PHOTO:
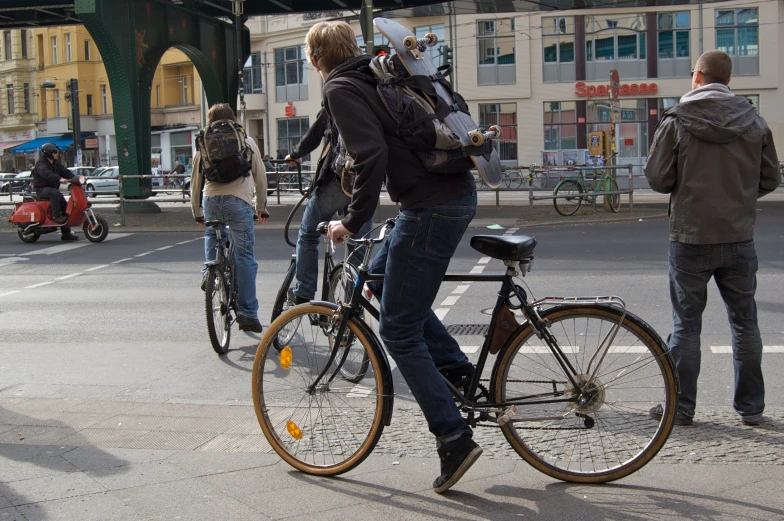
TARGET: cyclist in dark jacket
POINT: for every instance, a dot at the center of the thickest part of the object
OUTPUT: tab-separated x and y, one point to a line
48	173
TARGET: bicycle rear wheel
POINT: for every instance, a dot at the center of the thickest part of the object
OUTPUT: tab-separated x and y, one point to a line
604	432
340	287
612	202
333	428
282	302
539	180
569	205
218	310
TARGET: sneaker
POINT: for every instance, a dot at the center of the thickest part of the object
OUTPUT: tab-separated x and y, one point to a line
751	419
456	458
204	281
249	324
680	419
459	376
62	219
296	299
69	237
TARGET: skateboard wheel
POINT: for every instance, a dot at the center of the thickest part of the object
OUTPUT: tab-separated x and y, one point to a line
496	130
476	137
431	39
409	42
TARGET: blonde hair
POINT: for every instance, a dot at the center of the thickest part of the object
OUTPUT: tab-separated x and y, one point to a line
331	44
220	111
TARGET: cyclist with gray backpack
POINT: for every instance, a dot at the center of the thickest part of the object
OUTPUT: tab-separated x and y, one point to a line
227	170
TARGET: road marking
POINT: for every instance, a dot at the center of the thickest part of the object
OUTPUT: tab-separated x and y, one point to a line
441	313
9	293
163	248
546	350
727	350
359	391
628	349
450	300
143	254
477	269
122	260
11	260
469	349
67	247
96	268
184	242
511	231
72	275
484	260
39	285
461	289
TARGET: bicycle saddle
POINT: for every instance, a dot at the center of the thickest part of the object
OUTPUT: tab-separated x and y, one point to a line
213	224
513	247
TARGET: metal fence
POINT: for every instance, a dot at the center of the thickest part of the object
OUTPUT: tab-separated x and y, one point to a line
558	174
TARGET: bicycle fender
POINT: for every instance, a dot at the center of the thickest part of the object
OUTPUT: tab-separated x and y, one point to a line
388	392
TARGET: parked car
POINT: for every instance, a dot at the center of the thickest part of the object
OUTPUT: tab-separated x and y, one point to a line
101	186
77	171
19	182
5	179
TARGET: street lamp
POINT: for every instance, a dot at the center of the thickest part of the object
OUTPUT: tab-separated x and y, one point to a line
72	95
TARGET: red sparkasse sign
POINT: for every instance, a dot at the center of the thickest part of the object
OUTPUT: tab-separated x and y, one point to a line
583	90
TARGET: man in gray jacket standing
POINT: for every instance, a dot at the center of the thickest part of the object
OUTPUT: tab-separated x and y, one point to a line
714	154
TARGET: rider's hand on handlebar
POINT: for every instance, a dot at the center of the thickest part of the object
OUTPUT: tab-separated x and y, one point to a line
292	162
337	232
64	180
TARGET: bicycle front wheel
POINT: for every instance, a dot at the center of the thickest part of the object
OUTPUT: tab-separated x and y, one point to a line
612	202
218	310
341	284
567	206
332	428
596	427
282	302
539	180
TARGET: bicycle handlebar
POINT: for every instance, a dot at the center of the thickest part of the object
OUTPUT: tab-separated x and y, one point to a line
323	228
299	173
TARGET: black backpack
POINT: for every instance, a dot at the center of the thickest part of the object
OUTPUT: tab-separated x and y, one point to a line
224	153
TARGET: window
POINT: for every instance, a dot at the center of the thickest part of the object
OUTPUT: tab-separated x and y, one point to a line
505	116
666	103
104	100
9	89
496	50
436	52
737	32
184	81
673	34
24	44
8	46
290	131
616	39
89	104
753	98
158	96
68	47
378	40
26	95
54	50
57	103
631	134
291	74
251	74
560	125
558	49
87	50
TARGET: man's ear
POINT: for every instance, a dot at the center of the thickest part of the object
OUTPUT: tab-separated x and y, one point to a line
315	63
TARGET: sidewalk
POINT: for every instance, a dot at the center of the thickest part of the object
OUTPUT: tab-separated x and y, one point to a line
71	459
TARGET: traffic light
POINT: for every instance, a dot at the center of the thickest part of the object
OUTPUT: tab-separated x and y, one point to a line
381	50
448	54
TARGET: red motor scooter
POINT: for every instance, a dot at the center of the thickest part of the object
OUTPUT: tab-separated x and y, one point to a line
33	215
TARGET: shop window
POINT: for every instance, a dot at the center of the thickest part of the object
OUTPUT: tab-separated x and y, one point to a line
496	52
666	103
505	116
291	74
290	131
737	34
631	134
560	125
436	52
615	43
252	74
558	49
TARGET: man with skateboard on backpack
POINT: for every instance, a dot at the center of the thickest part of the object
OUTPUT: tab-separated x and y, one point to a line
435	211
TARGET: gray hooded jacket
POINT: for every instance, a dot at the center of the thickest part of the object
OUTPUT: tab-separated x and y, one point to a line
715	155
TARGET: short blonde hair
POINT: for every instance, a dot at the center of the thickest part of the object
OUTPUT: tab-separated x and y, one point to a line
331	44
219	112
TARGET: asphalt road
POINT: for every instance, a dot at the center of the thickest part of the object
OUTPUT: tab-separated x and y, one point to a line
125	319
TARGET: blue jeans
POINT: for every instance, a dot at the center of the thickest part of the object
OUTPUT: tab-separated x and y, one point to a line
238	215
734	268
326	201
414	259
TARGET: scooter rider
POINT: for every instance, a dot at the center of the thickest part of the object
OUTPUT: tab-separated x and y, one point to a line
49	172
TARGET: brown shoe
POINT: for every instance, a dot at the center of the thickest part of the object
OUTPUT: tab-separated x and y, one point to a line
61	219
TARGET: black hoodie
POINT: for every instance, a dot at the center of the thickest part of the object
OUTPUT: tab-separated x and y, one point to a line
364	123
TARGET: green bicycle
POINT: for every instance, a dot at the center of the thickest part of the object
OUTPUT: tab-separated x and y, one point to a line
574	187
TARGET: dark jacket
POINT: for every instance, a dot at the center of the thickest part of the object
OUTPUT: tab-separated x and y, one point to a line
362	120
715	155
320	129
49	174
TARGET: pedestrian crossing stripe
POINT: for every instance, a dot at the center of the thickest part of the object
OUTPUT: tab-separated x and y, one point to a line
527	349
728	349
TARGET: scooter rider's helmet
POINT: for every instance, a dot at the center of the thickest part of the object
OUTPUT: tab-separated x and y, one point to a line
48	150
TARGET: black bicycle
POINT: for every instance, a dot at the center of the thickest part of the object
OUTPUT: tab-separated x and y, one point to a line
221	290
570	388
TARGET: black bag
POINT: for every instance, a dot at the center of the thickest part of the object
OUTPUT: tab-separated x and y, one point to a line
224	153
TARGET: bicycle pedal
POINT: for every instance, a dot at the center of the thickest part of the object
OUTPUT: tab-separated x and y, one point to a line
507	415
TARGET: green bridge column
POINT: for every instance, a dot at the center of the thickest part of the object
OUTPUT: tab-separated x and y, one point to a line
132	36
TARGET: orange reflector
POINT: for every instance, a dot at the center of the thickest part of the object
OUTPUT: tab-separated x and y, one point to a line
295	431
285	357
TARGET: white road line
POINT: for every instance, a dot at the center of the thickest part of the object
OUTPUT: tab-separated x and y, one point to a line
163	248
461	289
11	260
96	268
58	249
183	242
546	350
484	260
39	285
121	260
451	300
115	236
72	275
469	349
627	349
143	254
359	391
724	350
477	269
512	230
441	313
9	293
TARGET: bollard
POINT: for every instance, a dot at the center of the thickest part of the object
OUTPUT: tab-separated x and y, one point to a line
531	188
277	188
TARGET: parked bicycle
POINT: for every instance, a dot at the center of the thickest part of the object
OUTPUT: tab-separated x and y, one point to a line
573	187
570	387
221	290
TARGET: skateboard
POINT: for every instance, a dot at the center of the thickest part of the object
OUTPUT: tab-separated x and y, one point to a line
411	51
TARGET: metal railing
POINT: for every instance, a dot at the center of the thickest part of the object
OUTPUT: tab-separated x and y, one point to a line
559	172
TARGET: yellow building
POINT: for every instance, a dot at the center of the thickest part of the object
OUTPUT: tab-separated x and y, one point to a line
18	95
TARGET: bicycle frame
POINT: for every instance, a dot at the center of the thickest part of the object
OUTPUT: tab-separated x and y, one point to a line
225	259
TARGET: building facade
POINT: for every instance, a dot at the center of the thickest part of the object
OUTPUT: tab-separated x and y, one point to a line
18	96
544	78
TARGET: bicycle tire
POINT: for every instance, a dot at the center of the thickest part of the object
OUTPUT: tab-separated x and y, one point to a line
282	302
597	453
329	431
357	362
513	180
612	202
540	180
217	309
569	205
